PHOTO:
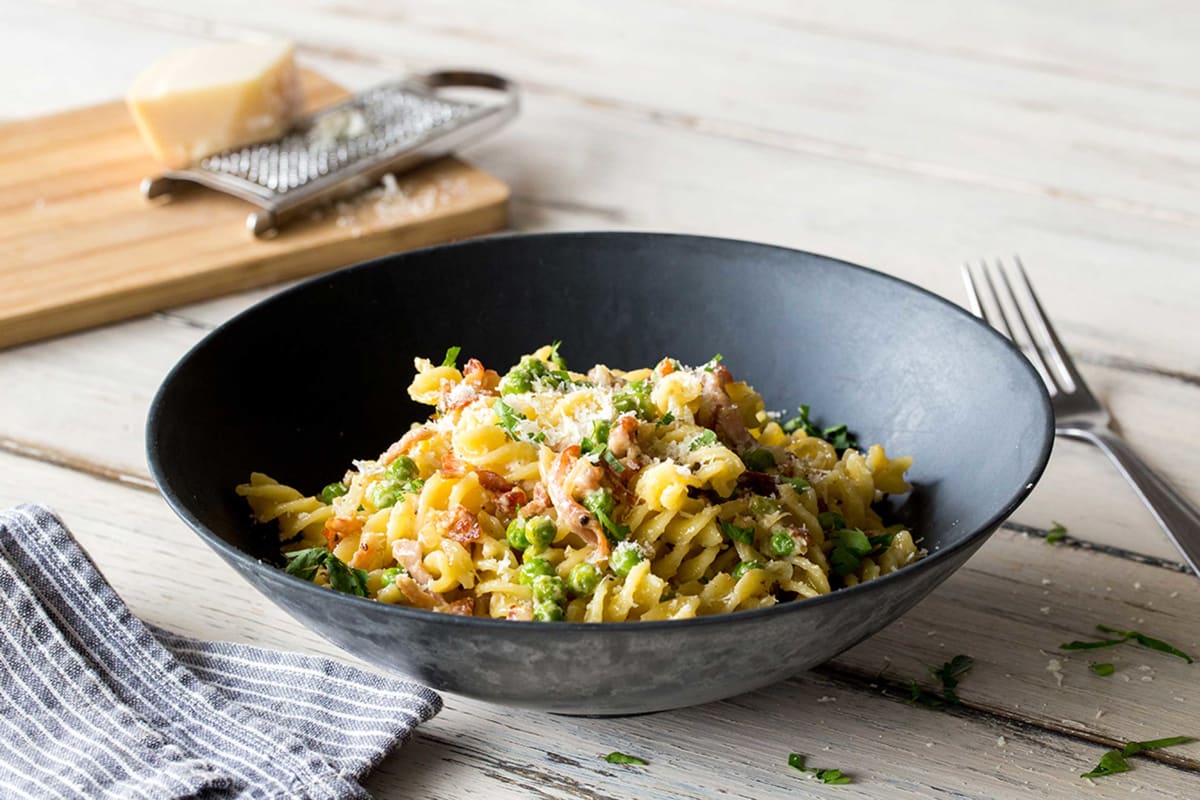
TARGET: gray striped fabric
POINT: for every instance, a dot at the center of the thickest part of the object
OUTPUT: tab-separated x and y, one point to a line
93	703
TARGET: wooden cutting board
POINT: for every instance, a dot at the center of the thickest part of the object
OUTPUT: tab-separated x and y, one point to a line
82	247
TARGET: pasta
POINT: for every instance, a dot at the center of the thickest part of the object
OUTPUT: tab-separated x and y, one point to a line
657	493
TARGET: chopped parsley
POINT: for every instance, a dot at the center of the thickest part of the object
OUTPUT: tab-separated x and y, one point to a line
593	446
949	673
831	520
342	577
841	438
1125	636
837	435
635	397
451	359
555	358
666	419
1103	670
711	364
1111	763
509	419
706	439
830	776
799	484
602	504
616	757
1056	534
919	697
801	422
1114	761
737	534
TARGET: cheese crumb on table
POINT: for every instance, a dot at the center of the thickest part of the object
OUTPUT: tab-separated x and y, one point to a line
202	100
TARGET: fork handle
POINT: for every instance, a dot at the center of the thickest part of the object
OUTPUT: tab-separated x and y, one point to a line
1177	516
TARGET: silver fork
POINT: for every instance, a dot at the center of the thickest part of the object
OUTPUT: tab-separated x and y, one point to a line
1077	412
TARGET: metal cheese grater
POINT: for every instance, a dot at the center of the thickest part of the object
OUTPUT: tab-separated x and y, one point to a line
348	146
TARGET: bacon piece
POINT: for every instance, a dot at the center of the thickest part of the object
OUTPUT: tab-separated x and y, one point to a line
417	595
539	503
453	467
801	535
464	527
622	438
719	412
463	608
602	376
759	483
408	553
405	443
484	381
577	518
508	503
492	481
339	528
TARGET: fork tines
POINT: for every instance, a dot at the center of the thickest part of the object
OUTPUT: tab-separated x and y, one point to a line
993	299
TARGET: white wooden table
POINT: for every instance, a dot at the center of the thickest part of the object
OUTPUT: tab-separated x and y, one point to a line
904	136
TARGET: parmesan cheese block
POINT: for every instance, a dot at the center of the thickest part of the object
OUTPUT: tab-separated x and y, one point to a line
203	100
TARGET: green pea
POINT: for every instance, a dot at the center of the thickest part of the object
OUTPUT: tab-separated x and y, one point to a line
517	381
600	502
386	494
762	506
744	567
549	589
390	574
540	532
548	612
758	459
583	578
635	397
532	568
516	534
402	469
781	543
333	490
623	559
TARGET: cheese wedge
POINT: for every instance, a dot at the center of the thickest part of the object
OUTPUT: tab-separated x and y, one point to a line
203	100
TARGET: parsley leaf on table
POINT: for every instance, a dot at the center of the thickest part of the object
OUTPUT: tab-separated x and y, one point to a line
1125	636
1104	669
1114	761
830	776
616	757
1057	533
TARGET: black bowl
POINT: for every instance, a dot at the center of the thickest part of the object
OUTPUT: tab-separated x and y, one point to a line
302	383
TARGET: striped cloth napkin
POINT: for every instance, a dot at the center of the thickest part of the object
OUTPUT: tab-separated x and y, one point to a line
93	703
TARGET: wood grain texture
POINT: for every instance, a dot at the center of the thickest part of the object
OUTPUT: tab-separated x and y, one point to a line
78	171
1004	742
905	138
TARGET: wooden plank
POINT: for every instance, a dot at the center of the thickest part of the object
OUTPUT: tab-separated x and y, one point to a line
79	170
629	135
1147	44
736	748
929	112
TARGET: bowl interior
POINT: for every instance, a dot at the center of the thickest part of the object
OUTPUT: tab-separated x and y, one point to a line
306	381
